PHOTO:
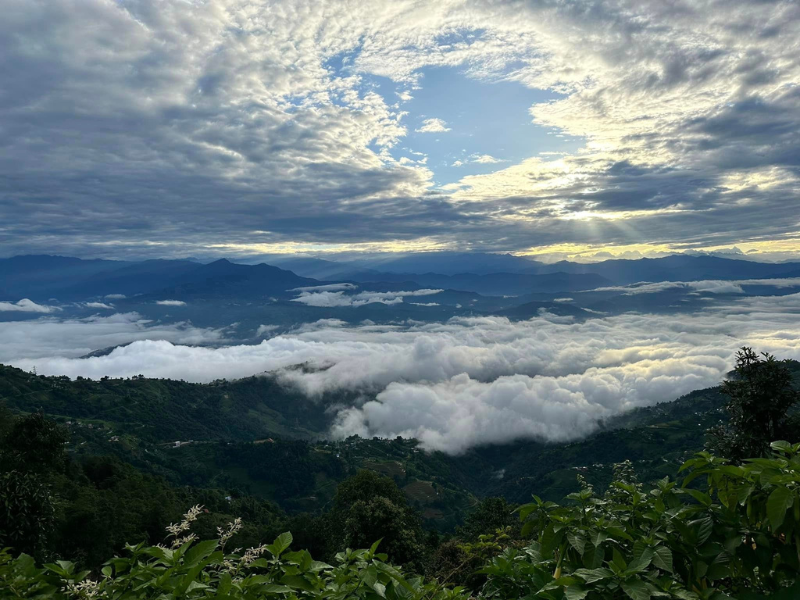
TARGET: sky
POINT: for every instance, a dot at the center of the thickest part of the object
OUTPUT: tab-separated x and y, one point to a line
144	128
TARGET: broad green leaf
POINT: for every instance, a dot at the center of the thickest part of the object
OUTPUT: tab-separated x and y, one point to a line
702	529
198	552
702	498
781	446
281	543
636	589
577	541
592	575
662	558
575	592
297	582
780	500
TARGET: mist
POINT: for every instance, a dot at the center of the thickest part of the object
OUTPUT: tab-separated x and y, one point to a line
453	385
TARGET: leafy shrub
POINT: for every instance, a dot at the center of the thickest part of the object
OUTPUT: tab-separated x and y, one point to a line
737	539
191	569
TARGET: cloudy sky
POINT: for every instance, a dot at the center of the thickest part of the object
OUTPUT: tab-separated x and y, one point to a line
133	128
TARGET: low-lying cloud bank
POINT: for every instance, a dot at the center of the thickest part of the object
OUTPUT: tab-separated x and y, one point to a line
26	305
329	298
711	286
453	385
55	343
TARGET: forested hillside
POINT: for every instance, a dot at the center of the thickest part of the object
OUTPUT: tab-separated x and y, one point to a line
256	437
730	530
163	409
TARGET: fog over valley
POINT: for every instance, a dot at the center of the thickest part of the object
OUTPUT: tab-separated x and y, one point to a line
455	376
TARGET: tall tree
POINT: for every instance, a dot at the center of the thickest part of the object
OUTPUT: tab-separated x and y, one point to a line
369	507
760	394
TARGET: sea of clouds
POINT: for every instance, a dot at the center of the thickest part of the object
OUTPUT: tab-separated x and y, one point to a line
453	385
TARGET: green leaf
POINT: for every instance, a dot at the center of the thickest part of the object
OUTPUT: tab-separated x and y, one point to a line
196	585
702	498
592	575
369	576
577	541
298	582
274	588
781	446
780	500
198	552
636	589
575	592
662	558
702	529
374	546
281	543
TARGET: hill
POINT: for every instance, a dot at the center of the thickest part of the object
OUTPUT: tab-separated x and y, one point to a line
160	410
256	437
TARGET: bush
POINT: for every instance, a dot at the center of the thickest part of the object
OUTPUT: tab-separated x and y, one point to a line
740	538
190	569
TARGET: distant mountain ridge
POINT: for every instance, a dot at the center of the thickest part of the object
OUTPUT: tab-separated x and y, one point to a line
41	277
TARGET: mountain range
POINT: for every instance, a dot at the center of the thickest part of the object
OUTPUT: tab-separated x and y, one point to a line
45	277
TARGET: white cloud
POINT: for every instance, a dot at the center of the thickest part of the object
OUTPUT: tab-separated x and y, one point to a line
115	296
329	287
171	302
265	330
687	127
64	339
712	286
433	126
332	299
99	305
456	384
26	305
485	159
424	303
562	299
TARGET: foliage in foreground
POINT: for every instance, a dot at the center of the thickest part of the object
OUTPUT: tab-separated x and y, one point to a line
737	537
740	538
190	569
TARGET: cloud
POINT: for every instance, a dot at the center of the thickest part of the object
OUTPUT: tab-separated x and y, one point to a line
687	130
52	338
433	126
332	299
711	286
26	305
330	287
265	330
457	384
99	305
485	159
171	302
424	303
562	299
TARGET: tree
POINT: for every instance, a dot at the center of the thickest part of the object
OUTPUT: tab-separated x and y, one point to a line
760	395
27	514
489	515
370	507
34	443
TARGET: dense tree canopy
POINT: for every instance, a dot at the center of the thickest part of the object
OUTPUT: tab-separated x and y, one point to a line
760	395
